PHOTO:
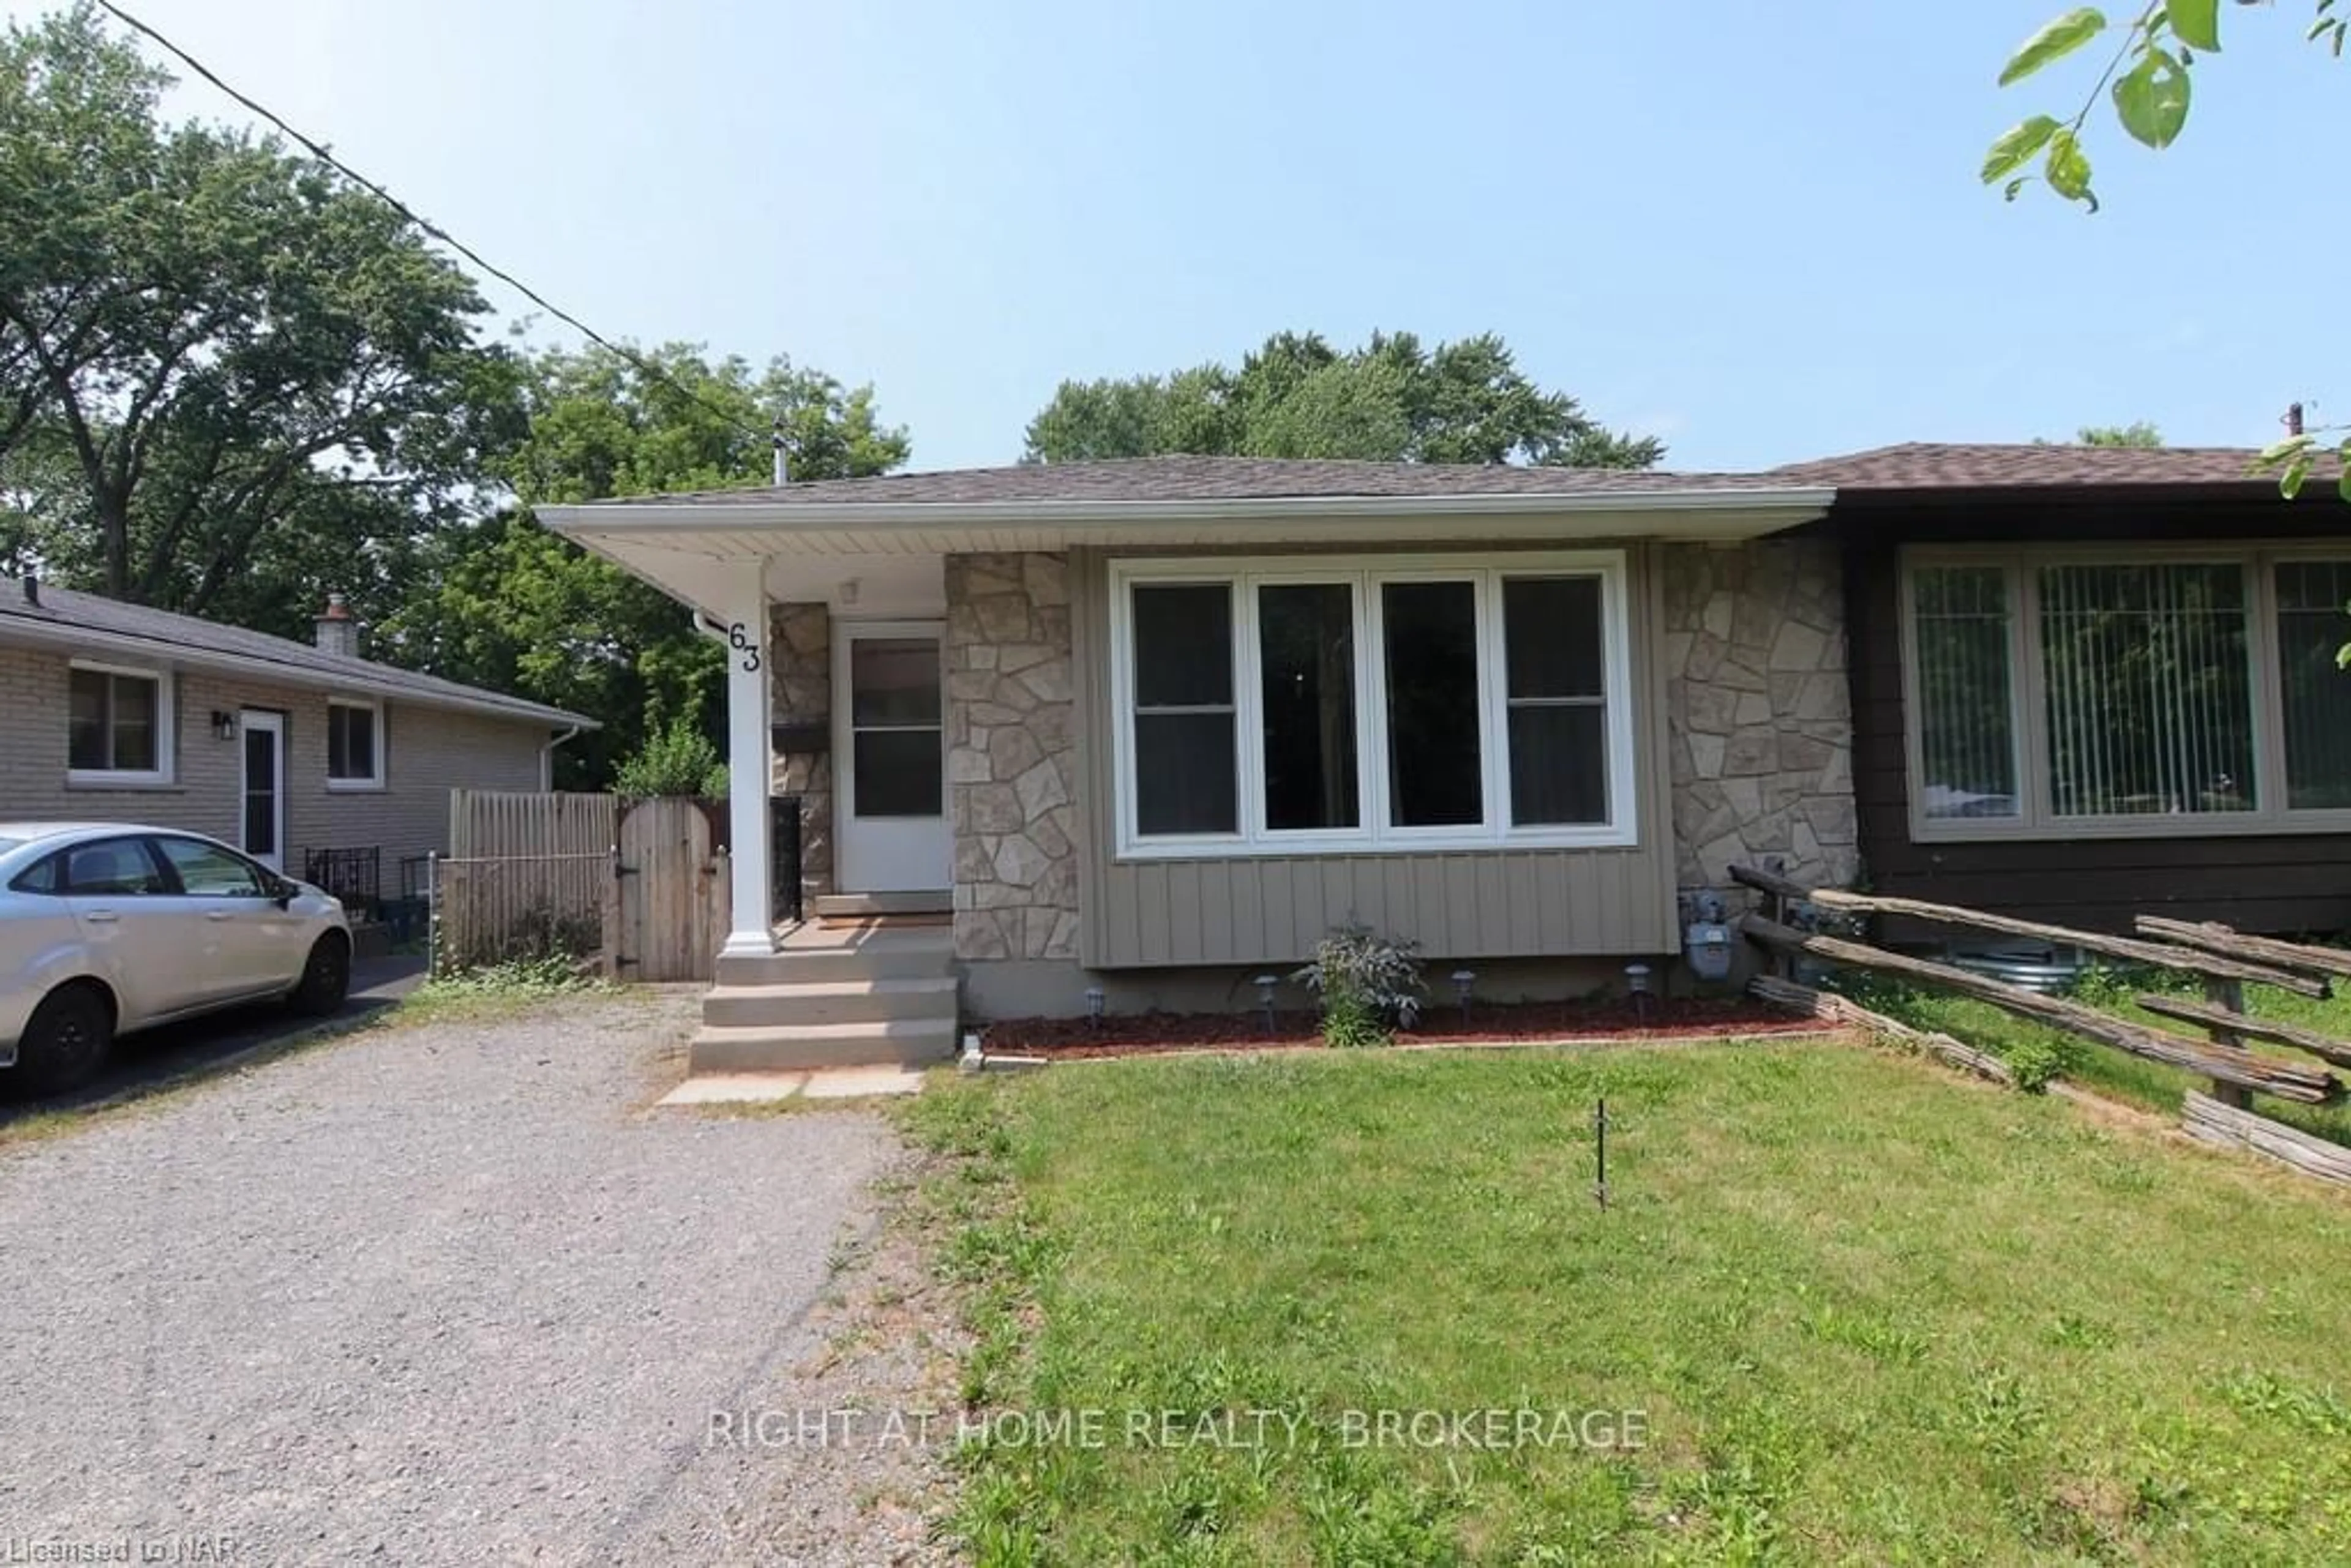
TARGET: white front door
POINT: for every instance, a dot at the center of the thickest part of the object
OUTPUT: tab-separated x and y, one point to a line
890	758
261	795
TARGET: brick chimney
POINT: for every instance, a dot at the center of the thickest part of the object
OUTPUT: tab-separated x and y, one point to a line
337	631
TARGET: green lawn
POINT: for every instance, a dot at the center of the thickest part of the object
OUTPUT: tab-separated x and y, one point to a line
1872	1313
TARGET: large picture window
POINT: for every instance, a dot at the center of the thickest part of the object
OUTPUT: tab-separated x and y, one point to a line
1287	706
2058	692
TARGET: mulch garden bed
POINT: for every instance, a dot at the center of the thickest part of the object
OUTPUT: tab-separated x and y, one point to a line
1135	1034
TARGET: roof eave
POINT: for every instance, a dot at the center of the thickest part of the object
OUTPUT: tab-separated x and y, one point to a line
1108	521
94	639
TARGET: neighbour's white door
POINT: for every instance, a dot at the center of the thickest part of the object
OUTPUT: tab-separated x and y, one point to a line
261	737
890	758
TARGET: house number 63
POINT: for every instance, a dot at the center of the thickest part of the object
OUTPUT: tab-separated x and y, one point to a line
740	641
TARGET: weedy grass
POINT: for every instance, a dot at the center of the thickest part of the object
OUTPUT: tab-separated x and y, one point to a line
2038	1052
1871	1313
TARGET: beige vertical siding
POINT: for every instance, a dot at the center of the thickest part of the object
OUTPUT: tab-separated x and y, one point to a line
1499	903
427	751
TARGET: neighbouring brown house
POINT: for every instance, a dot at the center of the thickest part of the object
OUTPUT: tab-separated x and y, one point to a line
2092	682
312	759
1133	734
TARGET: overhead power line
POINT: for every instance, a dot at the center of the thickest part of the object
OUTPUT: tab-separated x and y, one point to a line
323	154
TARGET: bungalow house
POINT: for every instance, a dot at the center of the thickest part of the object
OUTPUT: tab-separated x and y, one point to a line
291	751
1132	733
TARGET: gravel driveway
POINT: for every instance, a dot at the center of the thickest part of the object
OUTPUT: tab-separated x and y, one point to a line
442	1292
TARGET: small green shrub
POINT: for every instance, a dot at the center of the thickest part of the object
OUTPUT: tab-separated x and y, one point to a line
1365	984
677	760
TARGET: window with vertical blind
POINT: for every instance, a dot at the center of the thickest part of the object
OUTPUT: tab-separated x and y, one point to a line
1291	705
2056	690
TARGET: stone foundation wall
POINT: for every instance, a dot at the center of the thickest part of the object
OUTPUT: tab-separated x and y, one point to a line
800	653
1011	769
1759	713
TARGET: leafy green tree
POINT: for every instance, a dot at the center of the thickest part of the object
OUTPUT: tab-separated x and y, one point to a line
1296	396
2138	433
229	378
676	759
2148	78
509	605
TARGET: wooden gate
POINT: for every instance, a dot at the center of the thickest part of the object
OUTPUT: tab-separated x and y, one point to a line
674	902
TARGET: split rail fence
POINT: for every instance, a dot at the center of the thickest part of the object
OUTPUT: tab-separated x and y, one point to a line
2225	960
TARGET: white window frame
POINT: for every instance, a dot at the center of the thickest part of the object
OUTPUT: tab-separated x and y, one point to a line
1242	576
374	711
166	724
2028	711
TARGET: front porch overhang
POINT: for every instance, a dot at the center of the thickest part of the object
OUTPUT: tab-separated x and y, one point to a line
697	549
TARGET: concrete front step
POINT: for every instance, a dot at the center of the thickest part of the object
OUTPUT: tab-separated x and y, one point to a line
792	1048
876	955
877	905
859	1000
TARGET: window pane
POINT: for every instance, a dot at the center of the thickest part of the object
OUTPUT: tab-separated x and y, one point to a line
1182	646
206	872
1559	763
134	723
1551	633
338	742
362	743
1183	774
2149	691
260	791
85	743
894	681
1967	737
898	773
1430	630
2314	692
1306	638
111	867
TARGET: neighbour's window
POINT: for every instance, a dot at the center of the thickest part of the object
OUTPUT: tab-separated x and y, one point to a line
208	871
354	752
2313	626
113	866
1279	705
117	722
2138	688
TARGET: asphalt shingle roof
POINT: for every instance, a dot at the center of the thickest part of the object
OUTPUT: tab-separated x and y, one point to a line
1189	478
65	610
1938	465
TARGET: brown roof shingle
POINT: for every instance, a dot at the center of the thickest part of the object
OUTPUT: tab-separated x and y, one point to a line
1938	465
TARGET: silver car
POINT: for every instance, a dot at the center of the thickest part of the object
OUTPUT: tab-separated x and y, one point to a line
106	927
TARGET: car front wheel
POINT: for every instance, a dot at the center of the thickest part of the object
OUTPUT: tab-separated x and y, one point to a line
66	1040
326	977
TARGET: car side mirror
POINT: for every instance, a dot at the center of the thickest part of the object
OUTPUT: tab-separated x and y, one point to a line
283	889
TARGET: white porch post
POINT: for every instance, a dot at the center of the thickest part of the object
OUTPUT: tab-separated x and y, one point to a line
748	706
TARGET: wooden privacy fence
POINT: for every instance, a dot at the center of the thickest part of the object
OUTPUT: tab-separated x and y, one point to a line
2225	960
637	888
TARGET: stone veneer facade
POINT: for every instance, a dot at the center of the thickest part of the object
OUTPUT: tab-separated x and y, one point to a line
1011	769
1760	714
800	652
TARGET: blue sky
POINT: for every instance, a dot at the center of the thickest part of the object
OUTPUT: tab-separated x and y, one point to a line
1754	231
